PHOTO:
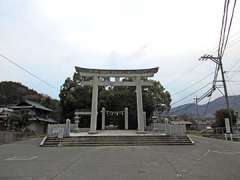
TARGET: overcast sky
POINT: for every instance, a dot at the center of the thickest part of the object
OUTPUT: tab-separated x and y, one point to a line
50	37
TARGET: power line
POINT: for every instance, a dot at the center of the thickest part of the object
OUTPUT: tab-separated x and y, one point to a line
189	95
194	67
223	27
206	110
193	84
234	39
191	69
235	66
223	40
233	71
27	71
229	27
215	76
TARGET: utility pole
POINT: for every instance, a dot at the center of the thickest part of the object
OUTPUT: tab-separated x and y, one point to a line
224	35
196	106
226	92
218	61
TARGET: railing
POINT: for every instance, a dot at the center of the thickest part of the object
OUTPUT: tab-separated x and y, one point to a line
169	129
73	127
220	132
176	130
54	129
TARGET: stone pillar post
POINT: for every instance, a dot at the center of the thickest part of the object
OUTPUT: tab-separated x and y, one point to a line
139	105
8	123
145	119
93	123
76	122
103	118
154	124
68	124
126	117
117	79
166	125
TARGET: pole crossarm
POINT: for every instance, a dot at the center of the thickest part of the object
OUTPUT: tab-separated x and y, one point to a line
217	60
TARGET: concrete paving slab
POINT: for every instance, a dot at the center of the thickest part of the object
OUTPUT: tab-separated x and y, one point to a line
118	133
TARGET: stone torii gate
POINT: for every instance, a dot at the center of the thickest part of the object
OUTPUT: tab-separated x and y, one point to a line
104	77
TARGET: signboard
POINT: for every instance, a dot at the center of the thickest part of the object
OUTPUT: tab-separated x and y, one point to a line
227	125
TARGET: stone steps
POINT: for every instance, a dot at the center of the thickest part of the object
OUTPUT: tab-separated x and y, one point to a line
118	141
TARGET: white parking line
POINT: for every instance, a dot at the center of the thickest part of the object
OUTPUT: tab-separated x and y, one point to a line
204	155
225	152
21	158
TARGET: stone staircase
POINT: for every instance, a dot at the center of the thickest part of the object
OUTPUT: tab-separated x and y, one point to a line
136	140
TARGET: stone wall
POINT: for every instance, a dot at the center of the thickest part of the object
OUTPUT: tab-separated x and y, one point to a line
37	127
9	137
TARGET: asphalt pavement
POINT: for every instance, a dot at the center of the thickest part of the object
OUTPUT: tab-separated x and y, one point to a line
208	159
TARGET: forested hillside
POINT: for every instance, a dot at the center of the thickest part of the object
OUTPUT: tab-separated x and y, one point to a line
14	92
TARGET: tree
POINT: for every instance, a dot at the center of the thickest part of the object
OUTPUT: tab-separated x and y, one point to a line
221	114
14	92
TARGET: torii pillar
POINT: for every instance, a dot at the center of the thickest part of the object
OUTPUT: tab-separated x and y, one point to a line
139	105
93	123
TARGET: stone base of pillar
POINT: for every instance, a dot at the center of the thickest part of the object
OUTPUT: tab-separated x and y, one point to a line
92	132
141	132
76	130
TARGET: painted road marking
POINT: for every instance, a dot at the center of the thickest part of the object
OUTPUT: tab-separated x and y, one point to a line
225	152
204	155
21	158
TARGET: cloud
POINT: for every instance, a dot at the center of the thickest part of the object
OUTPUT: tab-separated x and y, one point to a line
51	37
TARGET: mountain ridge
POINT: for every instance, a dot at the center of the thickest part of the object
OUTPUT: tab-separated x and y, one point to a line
207	110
